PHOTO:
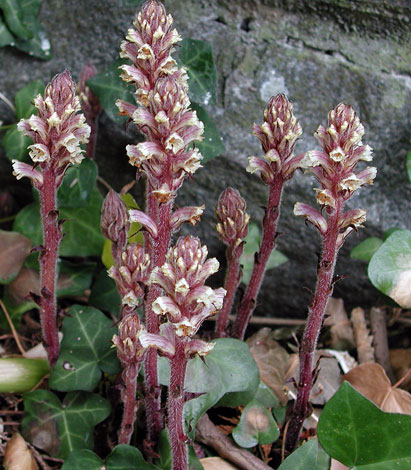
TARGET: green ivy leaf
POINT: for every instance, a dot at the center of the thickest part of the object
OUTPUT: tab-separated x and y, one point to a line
212	145
74	419
197	56
74	278
15	144
390	268
229	367
122	457
252	245
256	426
164	462
81	227
13	15
408	164
6	38
39	45
366	249
304	458
78	185
357	433
104	294
109	87
85	350
24	99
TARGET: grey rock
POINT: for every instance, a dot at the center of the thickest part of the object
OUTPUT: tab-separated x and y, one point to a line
318	53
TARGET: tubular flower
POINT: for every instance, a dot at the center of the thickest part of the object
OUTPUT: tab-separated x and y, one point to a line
164	113
334	167
232	217
132	275
57	131
278	135
187	301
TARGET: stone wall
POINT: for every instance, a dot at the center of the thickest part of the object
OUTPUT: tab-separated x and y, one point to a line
319	53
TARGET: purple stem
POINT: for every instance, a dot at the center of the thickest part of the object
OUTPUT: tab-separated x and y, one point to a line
52	237
232	280
249	300
175	408
128	396
323	290
158	253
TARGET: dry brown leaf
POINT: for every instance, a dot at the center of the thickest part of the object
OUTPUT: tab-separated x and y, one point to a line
336	465
27	281
271	359
328	381
371	380
216	463
401	363
18	456
336	317
14	249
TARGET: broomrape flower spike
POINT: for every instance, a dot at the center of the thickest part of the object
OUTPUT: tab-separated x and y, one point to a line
186	304
232	228
333	167
57	133
278	135
168	156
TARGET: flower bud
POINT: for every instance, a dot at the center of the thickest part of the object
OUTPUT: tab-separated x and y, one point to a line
127	342
114	222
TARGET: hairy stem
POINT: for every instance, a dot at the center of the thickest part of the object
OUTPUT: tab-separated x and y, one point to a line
312	330
249	301
158	253
232	280
48	264
128	397
175	408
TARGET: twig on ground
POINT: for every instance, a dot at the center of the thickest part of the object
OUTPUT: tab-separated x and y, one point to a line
379	331
208	434
13	330
363	339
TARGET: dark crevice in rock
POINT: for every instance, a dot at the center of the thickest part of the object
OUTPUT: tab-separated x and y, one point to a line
245	25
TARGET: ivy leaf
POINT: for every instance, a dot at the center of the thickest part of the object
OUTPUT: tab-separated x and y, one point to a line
197	56
357	433
21	374
78	184
6	38
74	278
304	458
39	45
256	426
212	145
13	15
104	294
365	250
15	144
85	350
14	248
109	87
122	457
390	268
252	245
81	227
68	425
164	462
24	99
228	368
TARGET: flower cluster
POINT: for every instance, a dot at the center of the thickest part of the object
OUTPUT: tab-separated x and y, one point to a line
278	135
187	301
114	223
232	217
127	342
334	167
164	115
132	274
57	131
